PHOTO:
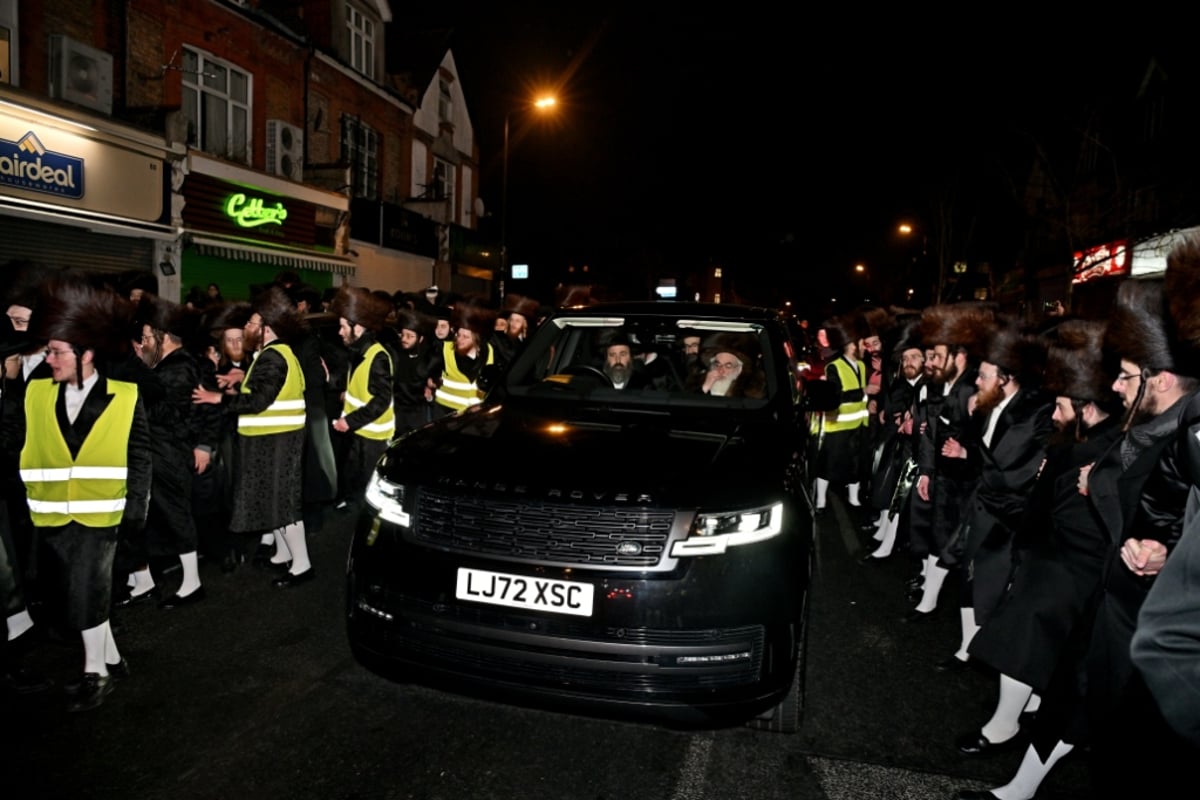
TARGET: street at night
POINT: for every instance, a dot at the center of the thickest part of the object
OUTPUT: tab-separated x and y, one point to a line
254	693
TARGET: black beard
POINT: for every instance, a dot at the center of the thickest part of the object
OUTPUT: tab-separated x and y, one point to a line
617	373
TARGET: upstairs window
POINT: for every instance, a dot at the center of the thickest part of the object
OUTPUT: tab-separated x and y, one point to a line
360	150
445	101
216	102
441	185
362	41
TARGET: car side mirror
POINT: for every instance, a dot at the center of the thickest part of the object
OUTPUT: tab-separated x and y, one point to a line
820	395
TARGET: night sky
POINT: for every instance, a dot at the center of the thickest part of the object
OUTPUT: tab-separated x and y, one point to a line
782	146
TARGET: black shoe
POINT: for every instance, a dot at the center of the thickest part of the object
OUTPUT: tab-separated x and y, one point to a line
914	597
128	598
972	794
288	580
952	664
90	692
263	553
918	617
280	566
1027	719
915	584
175	601
19	680
976	744
119	670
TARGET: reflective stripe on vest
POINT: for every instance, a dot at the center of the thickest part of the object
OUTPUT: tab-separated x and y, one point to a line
851	414
89	488
358	394
281	416
457	390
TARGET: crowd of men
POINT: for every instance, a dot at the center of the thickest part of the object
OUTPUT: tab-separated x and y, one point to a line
141	435
1043	480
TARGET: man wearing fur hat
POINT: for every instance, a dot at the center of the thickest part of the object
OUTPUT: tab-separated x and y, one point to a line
367	411
1014	420
411	371
840	432
176	454
85	436
1030	635
1138	495
517	311
270	412
952	336
456	366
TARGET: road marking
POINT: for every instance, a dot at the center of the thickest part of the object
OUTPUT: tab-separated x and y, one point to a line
692	776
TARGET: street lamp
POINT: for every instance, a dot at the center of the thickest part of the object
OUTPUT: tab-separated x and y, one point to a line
541	104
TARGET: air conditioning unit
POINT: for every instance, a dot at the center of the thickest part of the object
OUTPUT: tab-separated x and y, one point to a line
81	74
285	149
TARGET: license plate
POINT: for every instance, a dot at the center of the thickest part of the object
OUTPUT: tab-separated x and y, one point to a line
520	591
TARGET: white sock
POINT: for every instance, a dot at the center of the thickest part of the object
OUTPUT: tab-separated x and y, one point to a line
131	581
143	581
879	523
18	623
935	576
1034	703
1006	719
111	654
889	539
282	553
267	538
822	488
852	493
94	640
298	544
969	629
191	573
1031	773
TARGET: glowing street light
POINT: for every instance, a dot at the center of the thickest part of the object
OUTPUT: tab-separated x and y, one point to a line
542	104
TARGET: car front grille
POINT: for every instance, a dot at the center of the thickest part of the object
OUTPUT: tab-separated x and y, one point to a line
542	532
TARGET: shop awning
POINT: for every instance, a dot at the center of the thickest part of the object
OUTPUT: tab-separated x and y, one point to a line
275	256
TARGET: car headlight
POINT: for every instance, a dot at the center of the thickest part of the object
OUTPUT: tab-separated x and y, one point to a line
388	499
714	532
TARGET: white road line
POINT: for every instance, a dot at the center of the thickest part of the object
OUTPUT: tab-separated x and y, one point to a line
692	775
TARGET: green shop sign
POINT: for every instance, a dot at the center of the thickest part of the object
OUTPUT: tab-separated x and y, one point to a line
251	212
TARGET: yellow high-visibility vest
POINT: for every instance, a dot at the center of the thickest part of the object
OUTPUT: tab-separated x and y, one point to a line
853	413
287	412
457	390
358	394
90	487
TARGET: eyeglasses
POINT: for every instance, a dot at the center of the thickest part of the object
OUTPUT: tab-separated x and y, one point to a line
725	365
56	353
18	322
1126	377
984	376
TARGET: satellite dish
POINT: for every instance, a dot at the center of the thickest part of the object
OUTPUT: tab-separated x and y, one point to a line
479	210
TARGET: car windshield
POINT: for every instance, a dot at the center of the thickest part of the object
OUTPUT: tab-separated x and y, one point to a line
648	359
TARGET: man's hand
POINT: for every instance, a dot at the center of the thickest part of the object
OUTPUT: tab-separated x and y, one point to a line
203	459
231	378
202	395
1081	484
952	449
340	425
923	488
1144	556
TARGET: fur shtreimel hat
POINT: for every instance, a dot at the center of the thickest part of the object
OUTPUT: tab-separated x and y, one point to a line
475	317
163	315
742	345
73	309
904	335
22	280
219	318
1075	365
872	321
1137	327
1017	352
1182	286
967	324
840	331
278	312
361	307
407	320
520	304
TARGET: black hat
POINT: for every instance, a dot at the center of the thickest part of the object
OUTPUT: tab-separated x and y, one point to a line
967	324
742	345
840	331
163	315
22	280
475	317
1016	351
361	307
1182	286
73	309
519	304
1075	362
1137	326
407	320
278	312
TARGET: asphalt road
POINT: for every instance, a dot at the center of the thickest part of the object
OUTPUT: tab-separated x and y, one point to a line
253	693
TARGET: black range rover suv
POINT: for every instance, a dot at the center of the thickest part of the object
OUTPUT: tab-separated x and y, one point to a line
638	551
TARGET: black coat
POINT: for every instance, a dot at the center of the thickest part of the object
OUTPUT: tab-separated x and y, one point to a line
942	417
894	449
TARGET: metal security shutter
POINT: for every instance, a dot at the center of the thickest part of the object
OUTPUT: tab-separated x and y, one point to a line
66	246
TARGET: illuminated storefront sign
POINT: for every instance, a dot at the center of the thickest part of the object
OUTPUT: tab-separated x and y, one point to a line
1103	261
27	164
253	212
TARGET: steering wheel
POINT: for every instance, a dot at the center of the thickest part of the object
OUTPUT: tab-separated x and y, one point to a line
587	371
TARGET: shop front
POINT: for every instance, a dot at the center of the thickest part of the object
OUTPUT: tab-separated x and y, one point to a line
82	191
243	228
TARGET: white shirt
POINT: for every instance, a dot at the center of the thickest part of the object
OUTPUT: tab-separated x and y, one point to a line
991	426
77	394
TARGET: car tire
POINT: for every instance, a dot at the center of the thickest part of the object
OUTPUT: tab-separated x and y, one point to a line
786	716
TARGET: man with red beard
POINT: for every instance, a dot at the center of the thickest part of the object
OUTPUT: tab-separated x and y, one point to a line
457	363
1014	417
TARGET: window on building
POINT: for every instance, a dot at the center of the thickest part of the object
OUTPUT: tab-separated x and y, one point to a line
445	101
717	272
441	185
216	102
361	29
9	31
360	150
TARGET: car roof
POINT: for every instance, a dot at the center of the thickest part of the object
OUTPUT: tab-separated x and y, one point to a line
675	309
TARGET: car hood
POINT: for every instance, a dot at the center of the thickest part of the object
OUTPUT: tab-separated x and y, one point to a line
597	455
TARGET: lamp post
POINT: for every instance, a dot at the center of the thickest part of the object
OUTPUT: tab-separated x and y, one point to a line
542	103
